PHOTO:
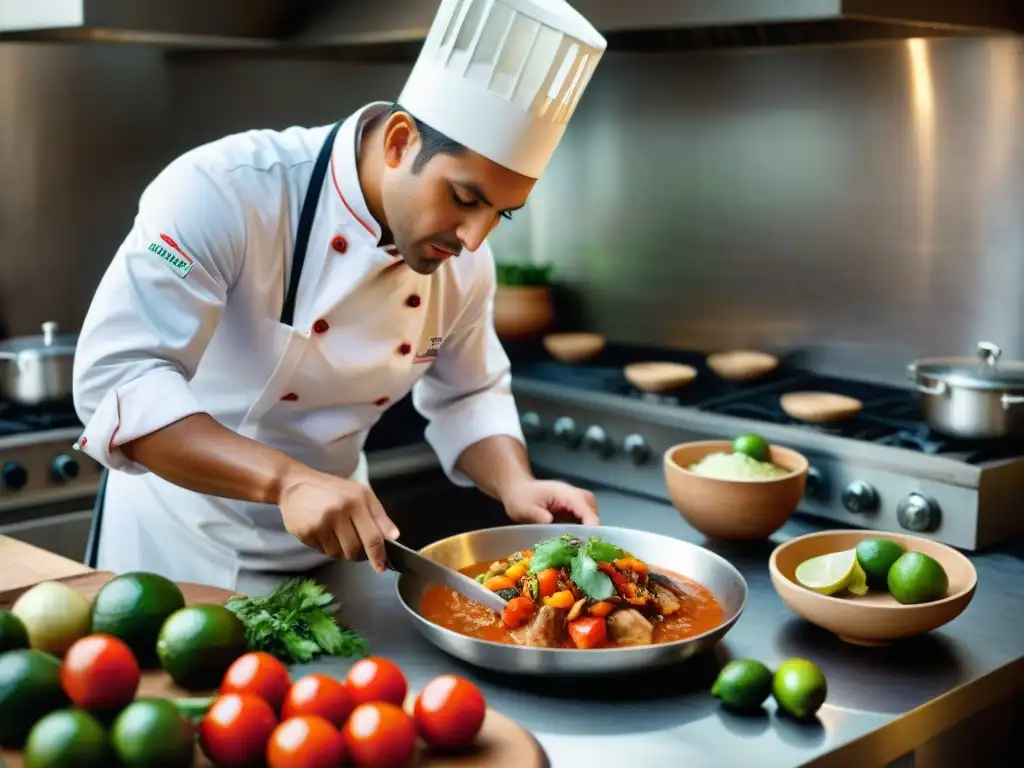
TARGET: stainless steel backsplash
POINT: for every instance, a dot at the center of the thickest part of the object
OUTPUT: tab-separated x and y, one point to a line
861	205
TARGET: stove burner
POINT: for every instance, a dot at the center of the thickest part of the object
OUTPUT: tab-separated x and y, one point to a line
19	420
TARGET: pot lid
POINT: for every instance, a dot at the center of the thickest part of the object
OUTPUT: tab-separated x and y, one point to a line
48	344
984	371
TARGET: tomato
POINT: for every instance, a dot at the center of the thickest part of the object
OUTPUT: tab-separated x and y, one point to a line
319	695
449	712
260	674
236	730
547	582
377	679
589	632
306	741
380	735
100	672
518	611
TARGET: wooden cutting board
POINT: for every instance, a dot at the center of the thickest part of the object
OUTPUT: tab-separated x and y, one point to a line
502	743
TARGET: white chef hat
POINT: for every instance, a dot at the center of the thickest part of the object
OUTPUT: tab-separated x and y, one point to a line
503	77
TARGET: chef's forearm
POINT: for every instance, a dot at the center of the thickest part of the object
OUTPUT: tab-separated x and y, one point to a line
495	464
203	455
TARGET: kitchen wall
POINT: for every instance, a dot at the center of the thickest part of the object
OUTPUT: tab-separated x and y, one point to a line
864	204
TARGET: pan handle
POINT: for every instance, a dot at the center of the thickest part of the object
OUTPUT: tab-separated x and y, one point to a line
936	389
1011	400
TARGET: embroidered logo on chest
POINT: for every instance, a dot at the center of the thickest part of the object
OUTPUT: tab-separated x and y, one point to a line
430	353
179	263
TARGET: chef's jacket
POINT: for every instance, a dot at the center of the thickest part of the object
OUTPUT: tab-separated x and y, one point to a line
186	320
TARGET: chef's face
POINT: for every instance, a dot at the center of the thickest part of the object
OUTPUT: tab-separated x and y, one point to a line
448	203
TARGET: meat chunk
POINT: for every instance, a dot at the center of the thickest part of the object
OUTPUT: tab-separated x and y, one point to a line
668	603
629	627
545	630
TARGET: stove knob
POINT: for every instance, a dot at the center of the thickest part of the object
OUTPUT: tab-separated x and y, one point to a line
860	497
918	513
815	483
565	432
636	448
64	468
13	476
597	440
530	422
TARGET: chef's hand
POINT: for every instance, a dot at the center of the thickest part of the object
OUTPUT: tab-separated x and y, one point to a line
539	501
336	516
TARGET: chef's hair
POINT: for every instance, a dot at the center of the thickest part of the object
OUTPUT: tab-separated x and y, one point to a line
432	142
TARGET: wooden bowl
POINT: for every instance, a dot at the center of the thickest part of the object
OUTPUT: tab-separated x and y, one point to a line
742	364
875	618
820	407
733	509
574	347
659	377
522	311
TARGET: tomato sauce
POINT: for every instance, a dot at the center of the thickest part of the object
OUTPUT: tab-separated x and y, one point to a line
445	607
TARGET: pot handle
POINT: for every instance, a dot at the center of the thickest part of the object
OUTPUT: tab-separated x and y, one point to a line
1011	400
936	389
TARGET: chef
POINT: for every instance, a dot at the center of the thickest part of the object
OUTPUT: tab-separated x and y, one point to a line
279	290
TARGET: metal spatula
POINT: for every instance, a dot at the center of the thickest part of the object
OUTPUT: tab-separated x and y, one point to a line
405	560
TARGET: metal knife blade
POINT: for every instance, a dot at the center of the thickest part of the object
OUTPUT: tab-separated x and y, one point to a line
405	560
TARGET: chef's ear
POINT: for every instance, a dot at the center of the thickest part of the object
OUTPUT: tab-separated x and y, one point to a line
400	138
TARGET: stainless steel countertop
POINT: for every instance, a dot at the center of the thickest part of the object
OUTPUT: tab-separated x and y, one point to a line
882	702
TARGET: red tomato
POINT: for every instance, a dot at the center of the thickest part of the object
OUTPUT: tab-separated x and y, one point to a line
449	712
518	611
236	730
100	672
377	679
380	735
260	674
319	695
589	632
306	741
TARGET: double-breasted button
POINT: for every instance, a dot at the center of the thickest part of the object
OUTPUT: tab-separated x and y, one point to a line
339	243
321	326
382	401
405	349
413	301
291	397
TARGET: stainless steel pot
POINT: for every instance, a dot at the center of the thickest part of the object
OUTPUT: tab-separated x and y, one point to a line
713	571
36	370
972	398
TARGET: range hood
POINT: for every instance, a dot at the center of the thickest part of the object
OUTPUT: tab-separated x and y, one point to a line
326	25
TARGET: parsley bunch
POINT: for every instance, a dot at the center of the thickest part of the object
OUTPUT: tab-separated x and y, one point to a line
294	623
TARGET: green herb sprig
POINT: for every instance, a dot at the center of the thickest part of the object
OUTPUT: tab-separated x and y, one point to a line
294	623
582	560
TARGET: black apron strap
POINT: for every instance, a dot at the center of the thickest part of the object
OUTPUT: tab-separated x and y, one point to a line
306	216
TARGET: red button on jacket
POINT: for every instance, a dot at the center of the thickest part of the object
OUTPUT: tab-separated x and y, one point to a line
339	243
382	401
405	349
321	326
290	397
413	301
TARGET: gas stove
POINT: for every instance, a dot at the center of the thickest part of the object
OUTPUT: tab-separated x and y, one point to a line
38	464
883	469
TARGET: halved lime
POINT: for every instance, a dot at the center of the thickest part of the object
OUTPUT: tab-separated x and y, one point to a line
858	581
828	574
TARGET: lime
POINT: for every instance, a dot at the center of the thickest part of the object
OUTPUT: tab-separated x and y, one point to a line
754	446
917	578
54	615
799	687
198	643
67	738
858	584
876	557
743	684
133	608
12	632
151	733
29	688
828	574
